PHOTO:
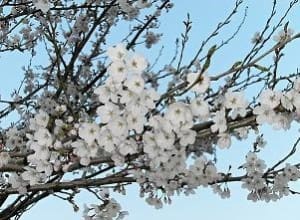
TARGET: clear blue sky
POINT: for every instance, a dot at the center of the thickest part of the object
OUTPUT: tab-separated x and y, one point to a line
204	205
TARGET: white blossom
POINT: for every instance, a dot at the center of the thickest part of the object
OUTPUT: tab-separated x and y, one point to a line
117	53
202	82
136	63
4	159
200	108
135	84
270	98
88	132
108	112
265	114
220	123
43	5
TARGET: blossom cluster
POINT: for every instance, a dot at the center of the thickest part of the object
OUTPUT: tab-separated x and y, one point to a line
277	108
259	187
109	210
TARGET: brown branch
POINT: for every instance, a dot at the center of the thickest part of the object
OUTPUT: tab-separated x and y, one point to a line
75	184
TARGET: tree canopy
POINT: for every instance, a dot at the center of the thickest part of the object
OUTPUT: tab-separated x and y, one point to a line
97	116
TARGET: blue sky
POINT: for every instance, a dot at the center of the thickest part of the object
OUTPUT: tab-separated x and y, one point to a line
205	16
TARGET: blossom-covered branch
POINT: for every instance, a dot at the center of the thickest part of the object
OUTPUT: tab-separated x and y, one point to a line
99	117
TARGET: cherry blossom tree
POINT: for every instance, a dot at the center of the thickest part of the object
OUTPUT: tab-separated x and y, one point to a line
97	117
